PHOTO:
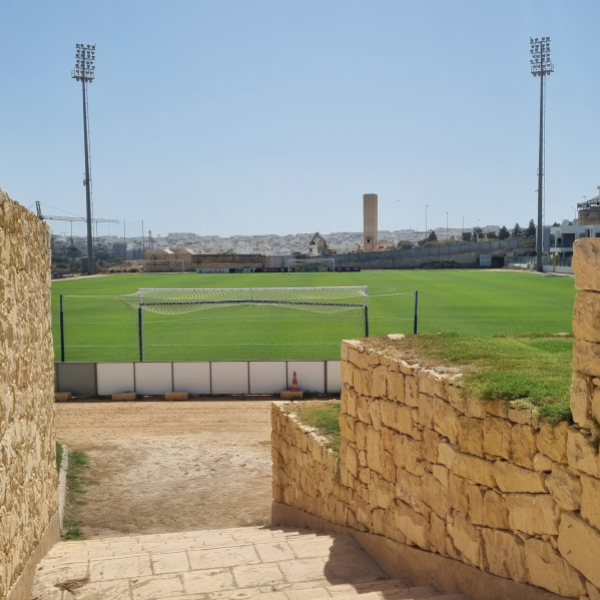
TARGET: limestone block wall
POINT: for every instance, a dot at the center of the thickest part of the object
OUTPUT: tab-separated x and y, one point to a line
477	482
28	478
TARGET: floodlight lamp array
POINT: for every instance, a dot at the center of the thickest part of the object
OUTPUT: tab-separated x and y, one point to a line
540	61
85	56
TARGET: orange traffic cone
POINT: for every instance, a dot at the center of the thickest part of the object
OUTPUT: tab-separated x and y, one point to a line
295	387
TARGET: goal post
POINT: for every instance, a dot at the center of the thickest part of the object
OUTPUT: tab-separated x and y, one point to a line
163	265
316	264
299	307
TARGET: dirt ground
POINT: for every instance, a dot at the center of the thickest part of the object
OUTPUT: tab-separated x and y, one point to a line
165	467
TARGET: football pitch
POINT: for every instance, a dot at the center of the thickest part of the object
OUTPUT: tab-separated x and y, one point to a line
99	326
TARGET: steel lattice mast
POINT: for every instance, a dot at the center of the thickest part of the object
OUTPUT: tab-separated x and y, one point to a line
541	65
84	72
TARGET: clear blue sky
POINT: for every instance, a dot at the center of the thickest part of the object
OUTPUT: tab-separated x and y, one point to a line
267	116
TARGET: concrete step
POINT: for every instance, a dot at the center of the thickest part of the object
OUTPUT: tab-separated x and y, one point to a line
230	564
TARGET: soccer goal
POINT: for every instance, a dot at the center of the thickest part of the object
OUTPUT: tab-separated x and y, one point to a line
243	321
166	265
313	264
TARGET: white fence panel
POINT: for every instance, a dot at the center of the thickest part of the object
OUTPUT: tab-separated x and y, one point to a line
267	377
311	375
334	376
153	379
229	377
192	377
115	378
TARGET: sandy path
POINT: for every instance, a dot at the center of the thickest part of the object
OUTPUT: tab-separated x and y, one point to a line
166	467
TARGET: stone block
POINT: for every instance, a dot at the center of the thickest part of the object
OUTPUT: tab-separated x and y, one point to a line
495	512
362	409
411	391
375	414
413	526
435	495
177	396
586	264
395	386
511	478
350	458
497	434
542	463
586	358
446	454
62	396
456	397
425	411
496	408
523	446
466	538
470	435
379	389
347	428
375	450
590	501
477	470
505	554
125	397
582	391
291	395
476	408
552	441
408	454
398	416
535	514
347	371
579	545
592	591
582	455
586	316
476	495
457	494
565	487
349	398
409	489
441	474
389	467
547	569
445	419
360	432
430	445
437	535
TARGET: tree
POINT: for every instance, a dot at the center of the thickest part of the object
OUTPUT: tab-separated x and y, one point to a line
530	231
477	231
517	232
432	237
492	235
405	245
467	236
504	233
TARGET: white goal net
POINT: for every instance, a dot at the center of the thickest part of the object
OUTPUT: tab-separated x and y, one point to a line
254	318
166	265
311	264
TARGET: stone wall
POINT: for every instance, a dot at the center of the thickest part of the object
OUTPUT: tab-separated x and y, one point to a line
28	478
477	482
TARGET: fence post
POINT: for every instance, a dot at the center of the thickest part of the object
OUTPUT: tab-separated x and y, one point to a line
366	321
141	333
62	331
416	323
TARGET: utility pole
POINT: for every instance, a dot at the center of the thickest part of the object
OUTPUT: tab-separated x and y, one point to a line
447	235
541	65
426	209
84	72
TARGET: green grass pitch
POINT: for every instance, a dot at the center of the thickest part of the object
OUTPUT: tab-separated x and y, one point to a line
479	303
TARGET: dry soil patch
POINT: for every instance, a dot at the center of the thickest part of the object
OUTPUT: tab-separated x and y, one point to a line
165	467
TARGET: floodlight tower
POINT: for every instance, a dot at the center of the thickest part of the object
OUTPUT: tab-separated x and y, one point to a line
84	72
541	65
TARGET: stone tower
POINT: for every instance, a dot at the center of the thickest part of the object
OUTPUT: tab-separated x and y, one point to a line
370	222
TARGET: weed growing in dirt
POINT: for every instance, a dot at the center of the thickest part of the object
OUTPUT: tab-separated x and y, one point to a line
59	455
325	417
77	483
